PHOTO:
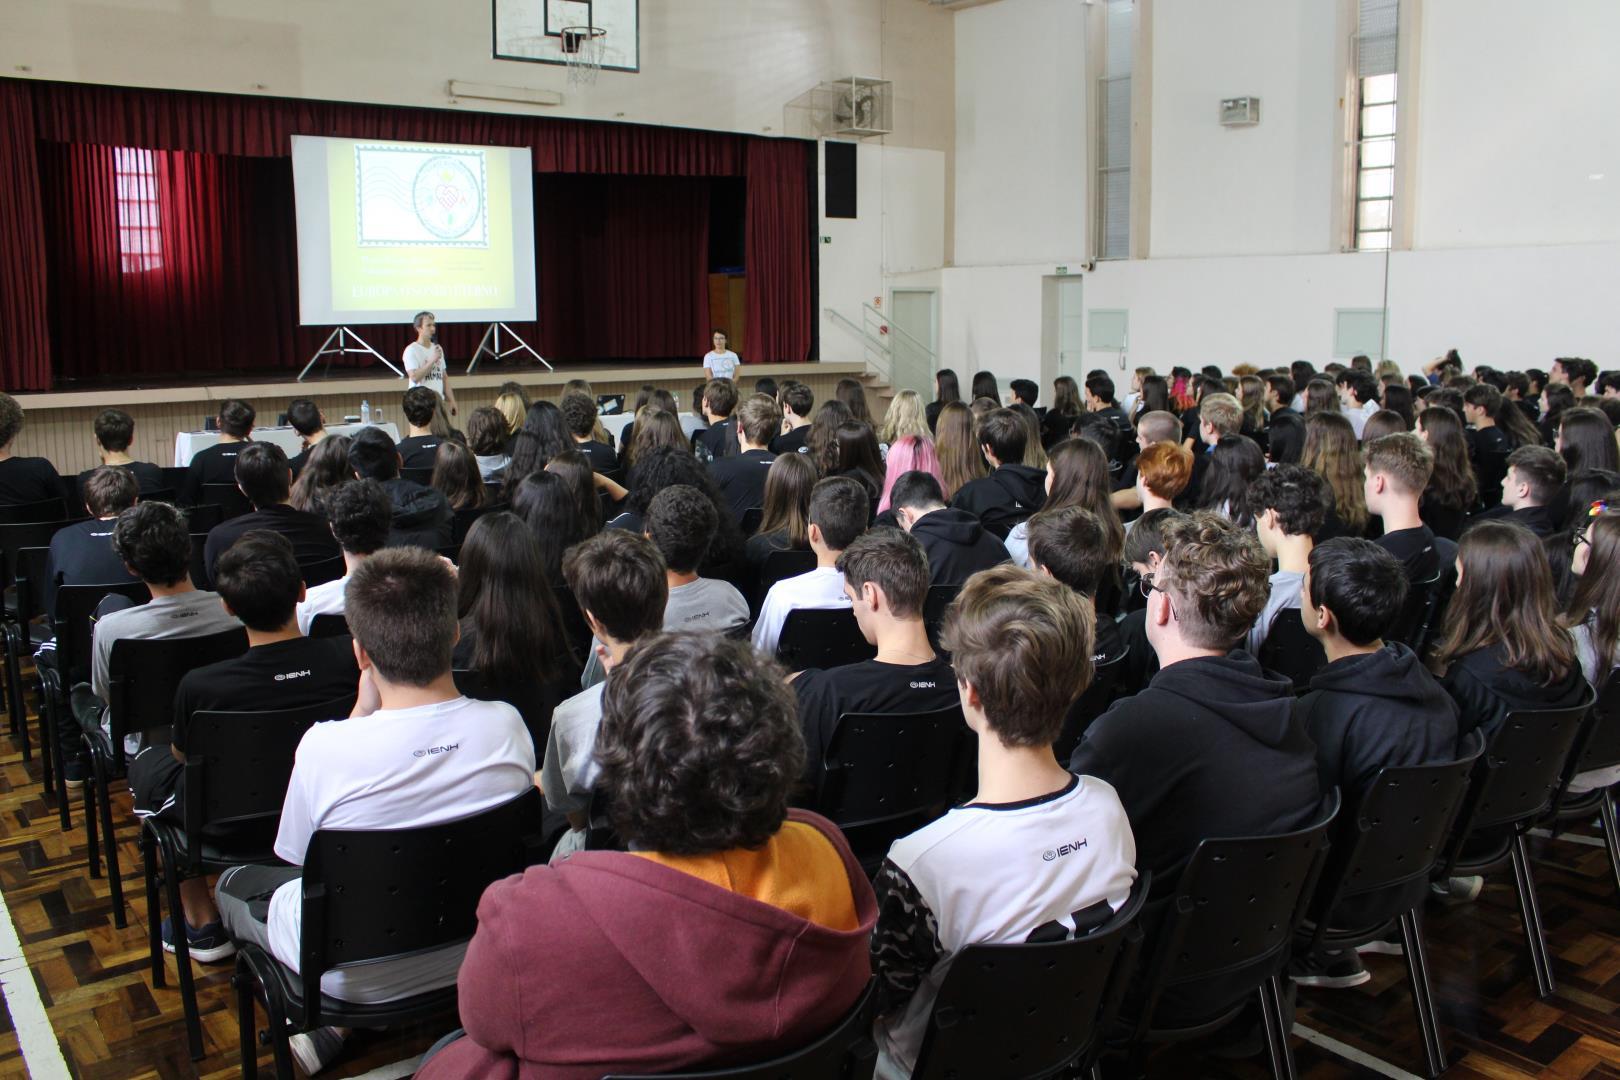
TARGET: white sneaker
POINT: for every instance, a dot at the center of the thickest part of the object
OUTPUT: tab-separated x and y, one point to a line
1459	890
1381	948
315	1050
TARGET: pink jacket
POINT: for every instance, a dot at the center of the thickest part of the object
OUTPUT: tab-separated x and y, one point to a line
905	455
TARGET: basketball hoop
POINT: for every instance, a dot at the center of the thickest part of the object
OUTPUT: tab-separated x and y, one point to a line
583	48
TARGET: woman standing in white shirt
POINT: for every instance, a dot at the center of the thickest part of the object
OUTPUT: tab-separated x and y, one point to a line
721	362
424	361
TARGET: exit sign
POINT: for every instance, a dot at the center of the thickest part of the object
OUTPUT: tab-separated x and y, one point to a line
1062	270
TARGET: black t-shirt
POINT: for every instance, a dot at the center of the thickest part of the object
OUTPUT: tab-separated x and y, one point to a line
1415	549
601	456
310	535
419	451
284	675
741	479
82	554
867	687
792	442
28	480
211	465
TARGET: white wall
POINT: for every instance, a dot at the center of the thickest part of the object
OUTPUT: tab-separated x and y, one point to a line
1253	190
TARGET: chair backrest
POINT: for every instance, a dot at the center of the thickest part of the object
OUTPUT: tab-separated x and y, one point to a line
75	604
1408	627
1599	745
229	498
888	774
751	519
1290	651
934	606
1393	833
845	1052
319	573
464	518
142	676
1236	907
13	538
390	893
27	513
174	476
418	474
1439	599
1521	770
201	519
780	565
328	626
535	701
577	630
1092	703
238	764
822	638
1026	1010
198	567
33	567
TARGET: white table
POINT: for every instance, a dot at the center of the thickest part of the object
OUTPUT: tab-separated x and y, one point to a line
187	443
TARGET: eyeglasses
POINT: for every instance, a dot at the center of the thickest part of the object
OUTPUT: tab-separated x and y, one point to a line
1148	589
1577	540
1147	586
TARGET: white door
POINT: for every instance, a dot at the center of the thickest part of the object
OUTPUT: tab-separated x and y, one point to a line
1071	328
911	340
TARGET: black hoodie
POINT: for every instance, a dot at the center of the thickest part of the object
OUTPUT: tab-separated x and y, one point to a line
1486	690
1004	498
1211	748
957	546
1382	708
422	515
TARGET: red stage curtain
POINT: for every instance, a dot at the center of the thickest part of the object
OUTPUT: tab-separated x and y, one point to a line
25	363
623	264
777	252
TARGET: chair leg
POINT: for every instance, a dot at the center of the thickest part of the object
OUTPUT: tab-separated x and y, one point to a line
1271	1008
47	749
248	1046
1417	971
154	906
1535	936
91	828
1611	832
115	881
279	1036
182	960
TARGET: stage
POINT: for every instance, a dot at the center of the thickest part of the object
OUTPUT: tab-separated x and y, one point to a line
58	424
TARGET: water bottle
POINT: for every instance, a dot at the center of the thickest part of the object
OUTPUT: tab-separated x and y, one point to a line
365	412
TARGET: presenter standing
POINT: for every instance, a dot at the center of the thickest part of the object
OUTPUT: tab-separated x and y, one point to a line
721	362
424	361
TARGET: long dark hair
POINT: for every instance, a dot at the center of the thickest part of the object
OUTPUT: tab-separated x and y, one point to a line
545	421
1155	396
665	467
946	386
506	604
326	468
546	503
1586	439
1080	477
1596	603
575	470
787	498
956	441
1505	598
1066	397
1321	396
1398	398
984	386
1233	464
1285	438
858	455
1452	484
823	436
1332	452
853	395
1511	419
655	427
456	476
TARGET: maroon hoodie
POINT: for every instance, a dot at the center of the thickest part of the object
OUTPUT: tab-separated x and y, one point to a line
609	962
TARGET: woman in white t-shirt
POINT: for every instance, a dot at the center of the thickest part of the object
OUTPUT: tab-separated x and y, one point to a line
425	364
721	362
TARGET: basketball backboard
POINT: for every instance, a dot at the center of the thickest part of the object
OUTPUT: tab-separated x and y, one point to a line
533	30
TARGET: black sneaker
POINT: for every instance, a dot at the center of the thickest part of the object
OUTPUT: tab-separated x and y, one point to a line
1325	969
209	945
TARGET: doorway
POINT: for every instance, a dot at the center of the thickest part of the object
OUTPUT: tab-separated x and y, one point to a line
912	342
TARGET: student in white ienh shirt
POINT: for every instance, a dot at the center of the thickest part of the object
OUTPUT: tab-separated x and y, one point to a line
424	361
720	362
840	510
414	752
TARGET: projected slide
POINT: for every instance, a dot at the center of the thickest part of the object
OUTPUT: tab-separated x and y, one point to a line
387	229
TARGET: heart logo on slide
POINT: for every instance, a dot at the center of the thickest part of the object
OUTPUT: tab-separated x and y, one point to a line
448	195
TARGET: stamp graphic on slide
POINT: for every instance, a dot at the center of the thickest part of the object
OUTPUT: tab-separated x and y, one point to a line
420	198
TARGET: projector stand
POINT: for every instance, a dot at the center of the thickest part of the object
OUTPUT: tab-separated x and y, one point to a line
344	336
490	344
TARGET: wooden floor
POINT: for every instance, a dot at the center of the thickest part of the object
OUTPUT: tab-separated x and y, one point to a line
109	1021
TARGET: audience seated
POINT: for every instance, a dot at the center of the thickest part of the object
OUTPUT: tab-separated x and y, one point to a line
732	929
1077	474
1163	471
741	476
421	515
1212	747
259	583
984	873
910	445
152	540
680	523
1398	470
262	475
1151	428
217	464
82	553
1012	491
368	772
306	418
1071	545
796	401
1358	397
580	417
719	439
1481	402
486	438
326	468
839	511
456	476
785	522
23	480
1374	706
956	544
1452	490
1287	504
360	517
886	578
1593	614
1531	490
115	430
420	445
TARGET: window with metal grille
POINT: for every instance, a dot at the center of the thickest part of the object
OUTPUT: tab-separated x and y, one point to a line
140	232
1376	86
1114	133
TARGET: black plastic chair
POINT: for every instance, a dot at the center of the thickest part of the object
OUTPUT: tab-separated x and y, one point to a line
319	573
822	638
418	474
200	520
142	677
236	772
464	518
1385	849
363	902
1439	599
198	565
75	607
846	1052
535	701
328	626
1235	912
13	539
935	604
1092	703
779	566
888	774
229	498
174	476
1598	747
575	628
29	513
1409	624
33	565
1290	651
751	519
1512	787
1032	1010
